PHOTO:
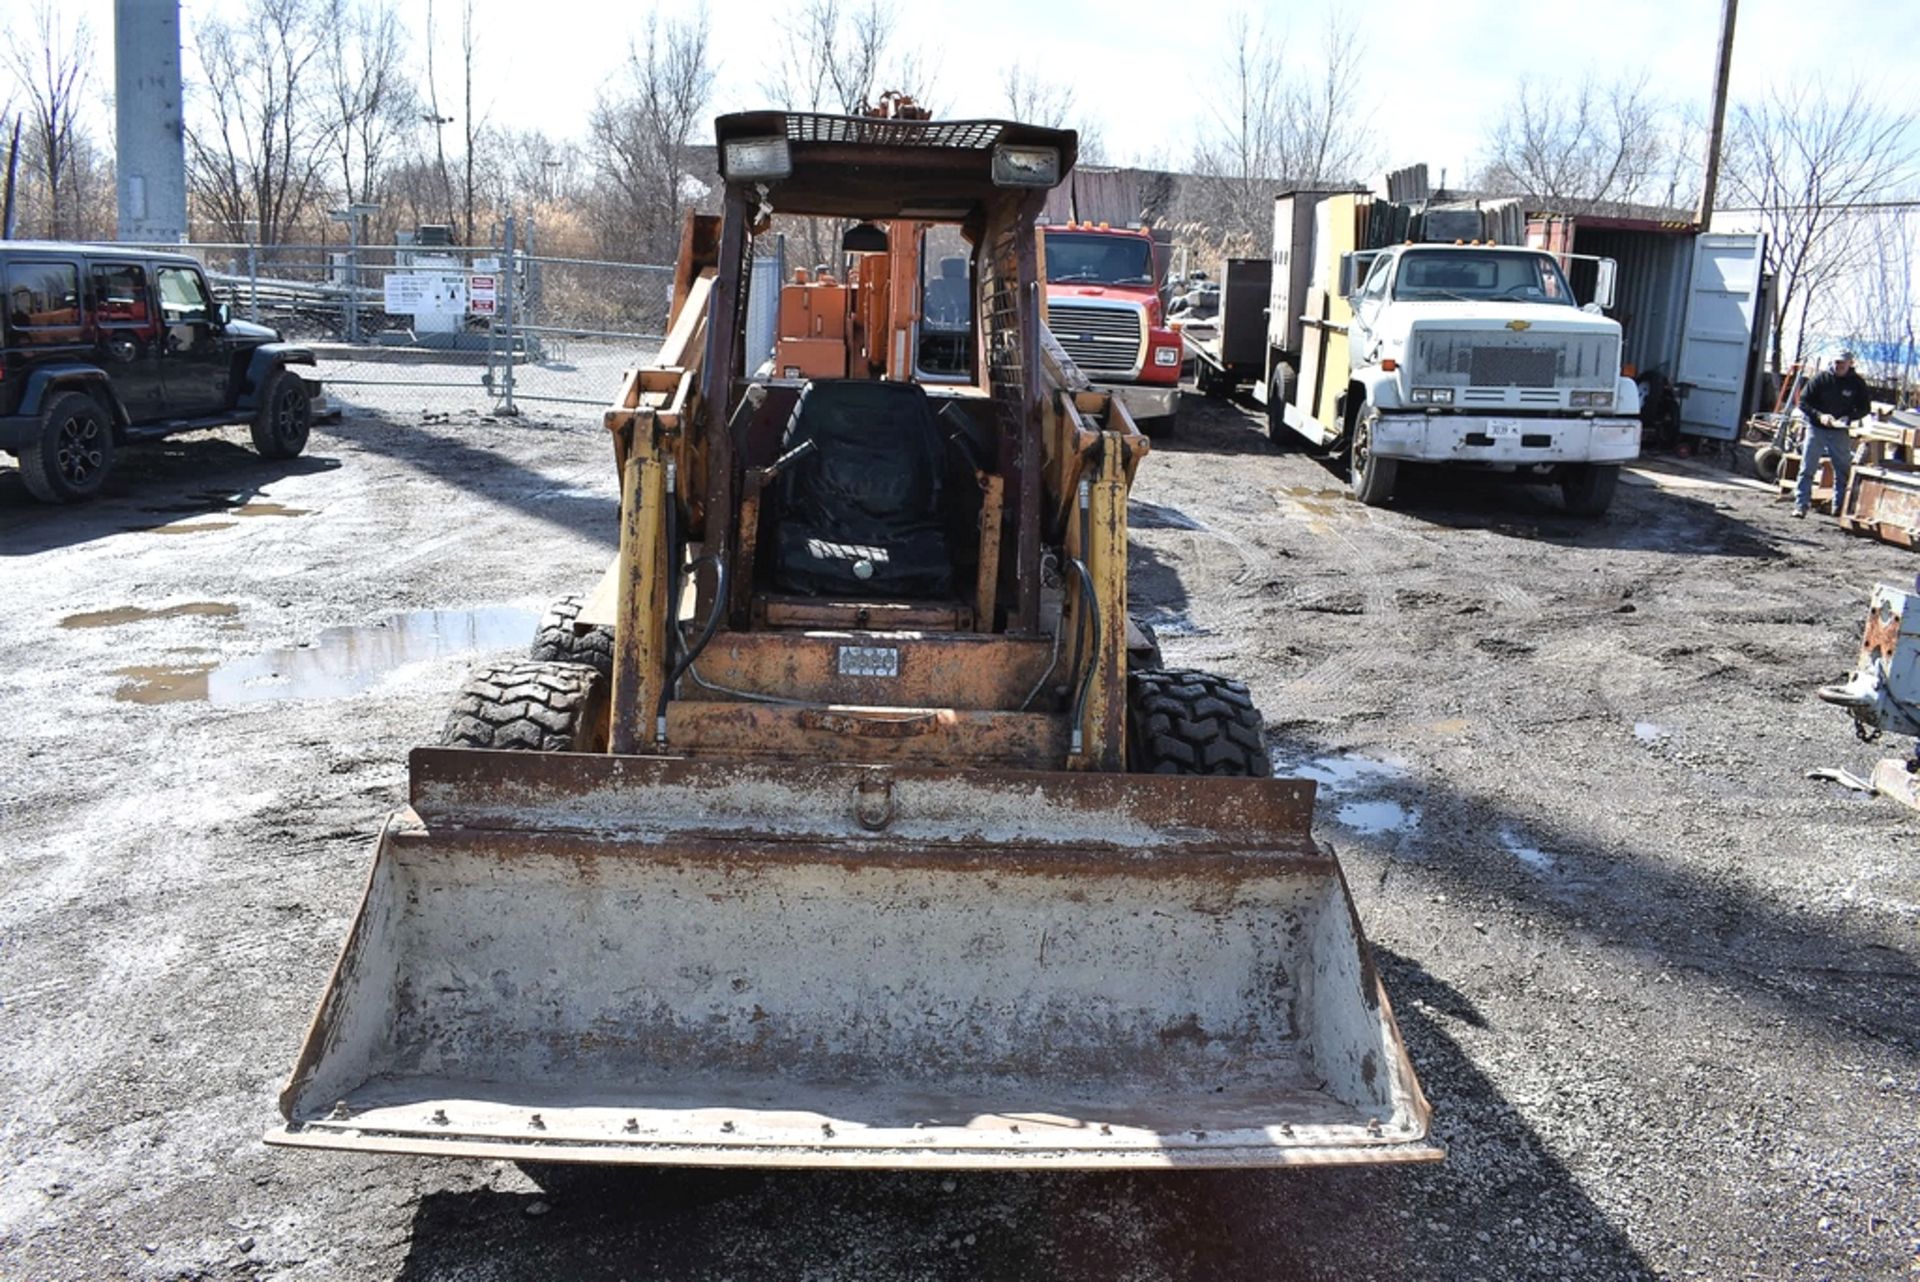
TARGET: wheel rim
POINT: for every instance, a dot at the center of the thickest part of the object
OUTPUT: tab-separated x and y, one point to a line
289	415
1362	448
80	452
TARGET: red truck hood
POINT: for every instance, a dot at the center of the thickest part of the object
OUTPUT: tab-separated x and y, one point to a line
1085	289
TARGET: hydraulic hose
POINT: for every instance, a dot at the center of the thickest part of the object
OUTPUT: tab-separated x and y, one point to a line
700	643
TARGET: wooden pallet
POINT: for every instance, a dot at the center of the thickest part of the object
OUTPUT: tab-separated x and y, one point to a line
1884	502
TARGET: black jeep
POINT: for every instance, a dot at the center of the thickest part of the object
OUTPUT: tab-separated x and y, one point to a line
103	345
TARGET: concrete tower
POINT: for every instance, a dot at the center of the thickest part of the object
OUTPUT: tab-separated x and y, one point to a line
150	142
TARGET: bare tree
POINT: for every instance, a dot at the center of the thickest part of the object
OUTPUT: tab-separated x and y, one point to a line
837	56
1327	137
644	126
1277	125
1882	313
433	117
1034	99
255	151
375	106
1238	165
50	69
1799	162
469	43
1587	148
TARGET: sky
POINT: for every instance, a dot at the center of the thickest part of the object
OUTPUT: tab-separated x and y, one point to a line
1437	76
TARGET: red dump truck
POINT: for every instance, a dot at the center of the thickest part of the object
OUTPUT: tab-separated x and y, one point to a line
1105	310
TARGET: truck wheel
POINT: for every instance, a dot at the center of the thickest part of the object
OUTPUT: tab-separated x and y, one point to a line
73	454
1587	488
285	415
1279	393
556	641
1181	722
530	706
1371	477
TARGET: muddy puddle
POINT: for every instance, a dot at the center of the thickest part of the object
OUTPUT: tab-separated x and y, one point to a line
135	614
1172	623
1343	773
215	503
1320	504
1526	852
1143	515
1377	818
1345	778
342	662
187	527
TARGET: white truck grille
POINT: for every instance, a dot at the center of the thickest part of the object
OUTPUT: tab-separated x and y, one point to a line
1102	338
1484	360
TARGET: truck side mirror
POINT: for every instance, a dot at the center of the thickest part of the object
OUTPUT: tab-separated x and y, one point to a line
1603	278
222	315
1346	275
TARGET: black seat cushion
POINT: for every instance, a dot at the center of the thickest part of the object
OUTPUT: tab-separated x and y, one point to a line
862	514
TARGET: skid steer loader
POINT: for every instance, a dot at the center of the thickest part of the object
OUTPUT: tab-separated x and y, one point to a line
845	823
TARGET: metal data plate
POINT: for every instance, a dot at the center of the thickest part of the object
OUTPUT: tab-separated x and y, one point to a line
869	661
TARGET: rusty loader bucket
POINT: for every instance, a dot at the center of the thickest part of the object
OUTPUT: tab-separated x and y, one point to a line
626	959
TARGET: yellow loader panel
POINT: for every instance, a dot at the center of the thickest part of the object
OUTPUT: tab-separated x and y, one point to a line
851	821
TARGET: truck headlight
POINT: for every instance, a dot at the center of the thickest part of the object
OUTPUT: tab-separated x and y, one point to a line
1166	356
1025	166
1592	400
1433	396
759	159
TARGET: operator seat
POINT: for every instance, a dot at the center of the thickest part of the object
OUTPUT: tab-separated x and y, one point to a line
862	513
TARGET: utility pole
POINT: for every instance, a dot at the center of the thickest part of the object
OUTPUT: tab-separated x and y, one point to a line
1722	70
150	153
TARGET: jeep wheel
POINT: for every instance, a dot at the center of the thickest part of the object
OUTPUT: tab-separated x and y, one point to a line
74	452
285	416
1372	477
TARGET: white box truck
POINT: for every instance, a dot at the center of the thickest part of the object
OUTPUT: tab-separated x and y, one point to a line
1461	352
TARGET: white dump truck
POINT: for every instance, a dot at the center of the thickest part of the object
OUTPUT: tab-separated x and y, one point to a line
1464	353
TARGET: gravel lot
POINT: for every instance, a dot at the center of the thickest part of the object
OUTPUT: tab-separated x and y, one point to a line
1663	992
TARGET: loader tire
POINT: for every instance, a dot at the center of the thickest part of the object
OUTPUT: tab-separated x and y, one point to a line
1146	656
557	642
1181	722
530	706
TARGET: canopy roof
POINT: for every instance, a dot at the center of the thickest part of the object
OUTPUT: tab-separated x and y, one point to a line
864	167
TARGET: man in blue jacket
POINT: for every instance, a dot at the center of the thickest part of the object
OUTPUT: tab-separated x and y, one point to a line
1835	400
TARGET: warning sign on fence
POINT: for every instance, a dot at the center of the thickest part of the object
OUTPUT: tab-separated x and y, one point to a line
482	293
425	294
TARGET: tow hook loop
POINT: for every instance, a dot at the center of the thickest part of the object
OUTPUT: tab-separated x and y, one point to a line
873	802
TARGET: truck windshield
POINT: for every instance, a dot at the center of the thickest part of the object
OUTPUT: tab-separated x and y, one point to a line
1100	260
1468	274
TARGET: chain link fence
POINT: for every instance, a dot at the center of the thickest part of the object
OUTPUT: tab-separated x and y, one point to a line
403	328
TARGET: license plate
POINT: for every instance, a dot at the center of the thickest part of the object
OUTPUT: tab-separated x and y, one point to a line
1503	428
